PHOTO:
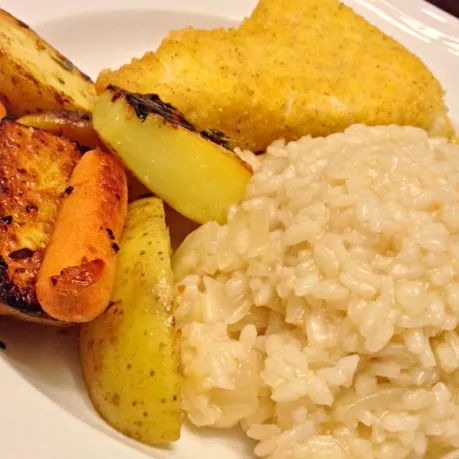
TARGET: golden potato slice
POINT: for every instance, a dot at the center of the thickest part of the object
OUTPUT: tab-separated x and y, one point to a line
130	355
77	126
193	172
34	76
74	126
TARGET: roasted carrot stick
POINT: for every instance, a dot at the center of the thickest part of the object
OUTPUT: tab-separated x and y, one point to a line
2	111
77	275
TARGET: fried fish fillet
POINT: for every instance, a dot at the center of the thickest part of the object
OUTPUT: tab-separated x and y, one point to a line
35	168
294	67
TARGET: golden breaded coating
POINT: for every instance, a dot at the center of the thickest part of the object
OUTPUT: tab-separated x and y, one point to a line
294	67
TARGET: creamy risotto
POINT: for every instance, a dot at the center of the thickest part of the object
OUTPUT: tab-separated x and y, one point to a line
322	317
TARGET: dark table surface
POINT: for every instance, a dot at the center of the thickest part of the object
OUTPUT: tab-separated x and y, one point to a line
451	6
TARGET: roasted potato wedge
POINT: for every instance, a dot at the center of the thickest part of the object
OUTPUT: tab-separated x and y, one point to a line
35	169
34	76
77	127
76	278
74	126
189	170
130	355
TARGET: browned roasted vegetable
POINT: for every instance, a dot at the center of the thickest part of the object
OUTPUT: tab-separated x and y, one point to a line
194	172
34	76
35	168
76	277
2	111
75	126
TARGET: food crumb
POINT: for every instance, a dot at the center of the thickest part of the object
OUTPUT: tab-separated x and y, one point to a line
21	254
30	208
116	247
145	414
116	399
110	234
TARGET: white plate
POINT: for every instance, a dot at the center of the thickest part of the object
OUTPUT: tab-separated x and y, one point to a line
44	411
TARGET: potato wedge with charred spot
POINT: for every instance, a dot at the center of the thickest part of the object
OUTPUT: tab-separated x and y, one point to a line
76	277
74	126
35	169
36	77
192	171
130	354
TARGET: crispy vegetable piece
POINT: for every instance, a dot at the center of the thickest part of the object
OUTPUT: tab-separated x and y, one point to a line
130	354
75	126
76	278
35	168
34	76
195	176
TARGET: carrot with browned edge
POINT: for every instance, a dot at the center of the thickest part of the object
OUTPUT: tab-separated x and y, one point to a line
2	111
77	275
